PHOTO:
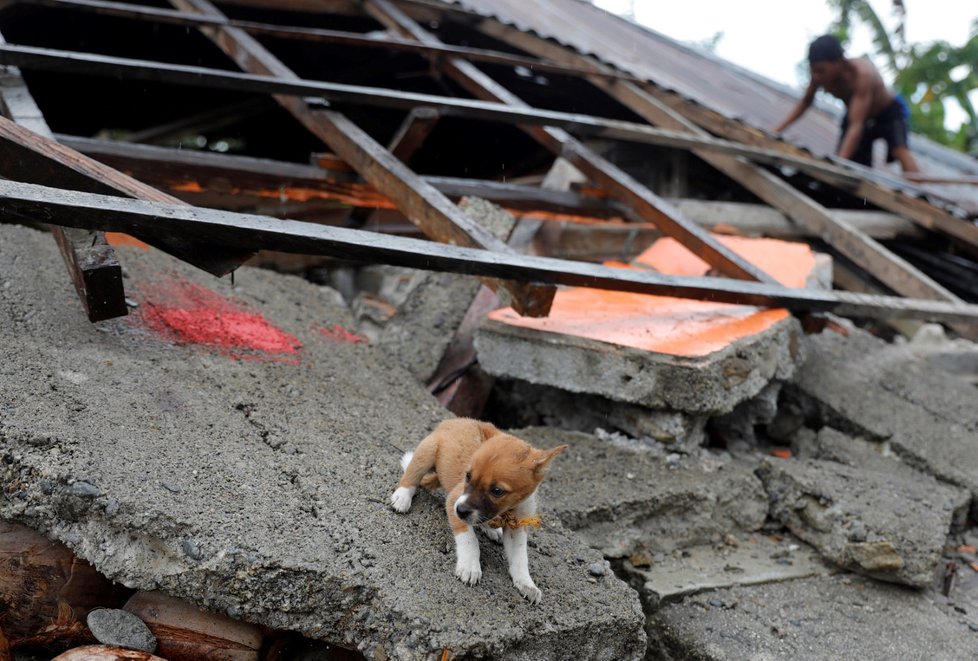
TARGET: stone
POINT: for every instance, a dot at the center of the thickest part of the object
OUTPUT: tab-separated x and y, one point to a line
113	626
865	387
670	577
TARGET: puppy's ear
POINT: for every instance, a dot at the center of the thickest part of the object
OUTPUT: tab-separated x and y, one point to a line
542	459
488	430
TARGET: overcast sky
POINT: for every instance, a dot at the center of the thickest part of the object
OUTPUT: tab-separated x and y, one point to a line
775	49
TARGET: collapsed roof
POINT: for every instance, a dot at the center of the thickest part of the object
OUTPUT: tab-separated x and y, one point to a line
136	86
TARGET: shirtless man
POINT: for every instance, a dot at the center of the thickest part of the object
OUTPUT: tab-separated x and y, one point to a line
872	110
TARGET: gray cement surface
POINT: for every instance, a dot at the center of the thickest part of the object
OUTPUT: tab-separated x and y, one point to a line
838	617
255	482
626	496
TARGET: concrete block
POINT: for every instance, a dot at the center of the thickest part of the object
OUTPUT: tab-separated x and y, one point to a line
660	352
704	385
620	496
832	445
877	523
836	617
233	447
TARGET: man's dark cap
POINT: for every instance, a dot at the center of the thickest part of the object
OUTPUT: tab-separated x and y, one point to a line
825	49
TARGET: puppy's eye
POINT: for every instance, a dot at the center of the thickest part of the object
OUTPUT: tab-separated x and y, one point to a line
468	477
496	492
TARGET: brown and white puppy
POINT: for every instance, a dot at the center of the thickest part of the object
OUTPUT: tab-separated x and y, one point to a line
487	474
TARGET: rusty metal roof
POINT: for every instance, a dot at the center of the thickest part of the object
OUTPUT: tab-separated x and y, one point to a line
717	84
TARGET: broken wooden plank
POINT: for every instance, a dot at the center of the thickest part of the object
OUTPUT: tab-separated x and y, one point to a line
430	210
896	273
250	232
29	155
585	125
648	205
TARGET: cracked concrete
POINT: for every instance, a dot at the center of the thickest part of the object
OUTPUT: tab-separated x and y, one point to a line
252	478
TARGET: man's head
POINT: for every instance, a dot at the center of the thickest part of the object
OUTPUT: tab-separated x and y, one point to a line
825	58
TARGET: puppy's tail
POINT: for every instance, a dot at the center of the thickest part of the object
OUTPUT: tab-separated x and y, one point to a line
405	460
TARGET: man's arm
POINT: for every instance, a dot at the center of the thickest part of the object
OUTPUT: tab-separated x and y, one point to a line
858	111
800	108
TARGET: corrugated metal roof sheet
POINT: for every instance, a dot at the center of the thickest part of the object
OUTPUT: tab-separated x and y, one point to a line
715	83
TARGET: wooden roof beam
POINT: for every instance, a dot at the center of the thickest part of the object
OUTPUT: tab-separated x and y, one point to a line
94	270
315	35
248	232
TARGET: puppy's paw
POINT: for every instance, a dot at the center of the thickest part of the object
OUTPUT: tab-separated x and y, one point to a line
529	591
495	534
401	499
467	572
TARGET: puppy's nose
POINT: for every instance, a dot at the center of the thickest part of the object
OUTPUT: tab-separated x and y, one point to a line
463	511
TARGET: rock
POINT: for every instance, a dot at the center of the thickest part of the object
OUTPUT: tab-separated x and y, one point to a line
625	496
119	628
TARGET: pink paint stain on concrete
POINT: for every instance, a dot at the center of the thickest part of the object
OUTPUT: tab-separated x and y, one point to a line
187	313
341	334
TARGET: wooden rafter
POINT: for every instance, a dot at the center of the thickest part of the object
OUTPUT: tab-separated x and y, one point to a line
94	270
895	272
248	232
29	57
645	203
435	214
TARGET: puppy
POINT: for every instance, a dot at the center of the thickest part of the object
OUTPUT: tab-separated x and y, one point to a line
491	479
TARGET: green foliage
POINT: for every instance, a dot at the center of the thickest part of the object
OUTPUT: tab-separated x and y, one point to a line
928	75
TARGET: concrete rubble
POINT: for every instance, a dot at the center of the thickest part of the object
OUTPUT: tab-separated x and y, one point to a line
875	523
837	617
254	481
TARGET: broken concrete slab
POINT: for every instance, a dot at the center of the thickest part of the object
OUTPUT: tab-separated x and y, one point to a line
704	386
866	387
836	617
832	445
621	495
745	560
658	352
876	523
234	447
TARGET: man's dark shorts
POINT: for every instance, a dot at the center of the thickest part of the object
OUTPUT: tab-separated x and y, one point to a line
890	124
